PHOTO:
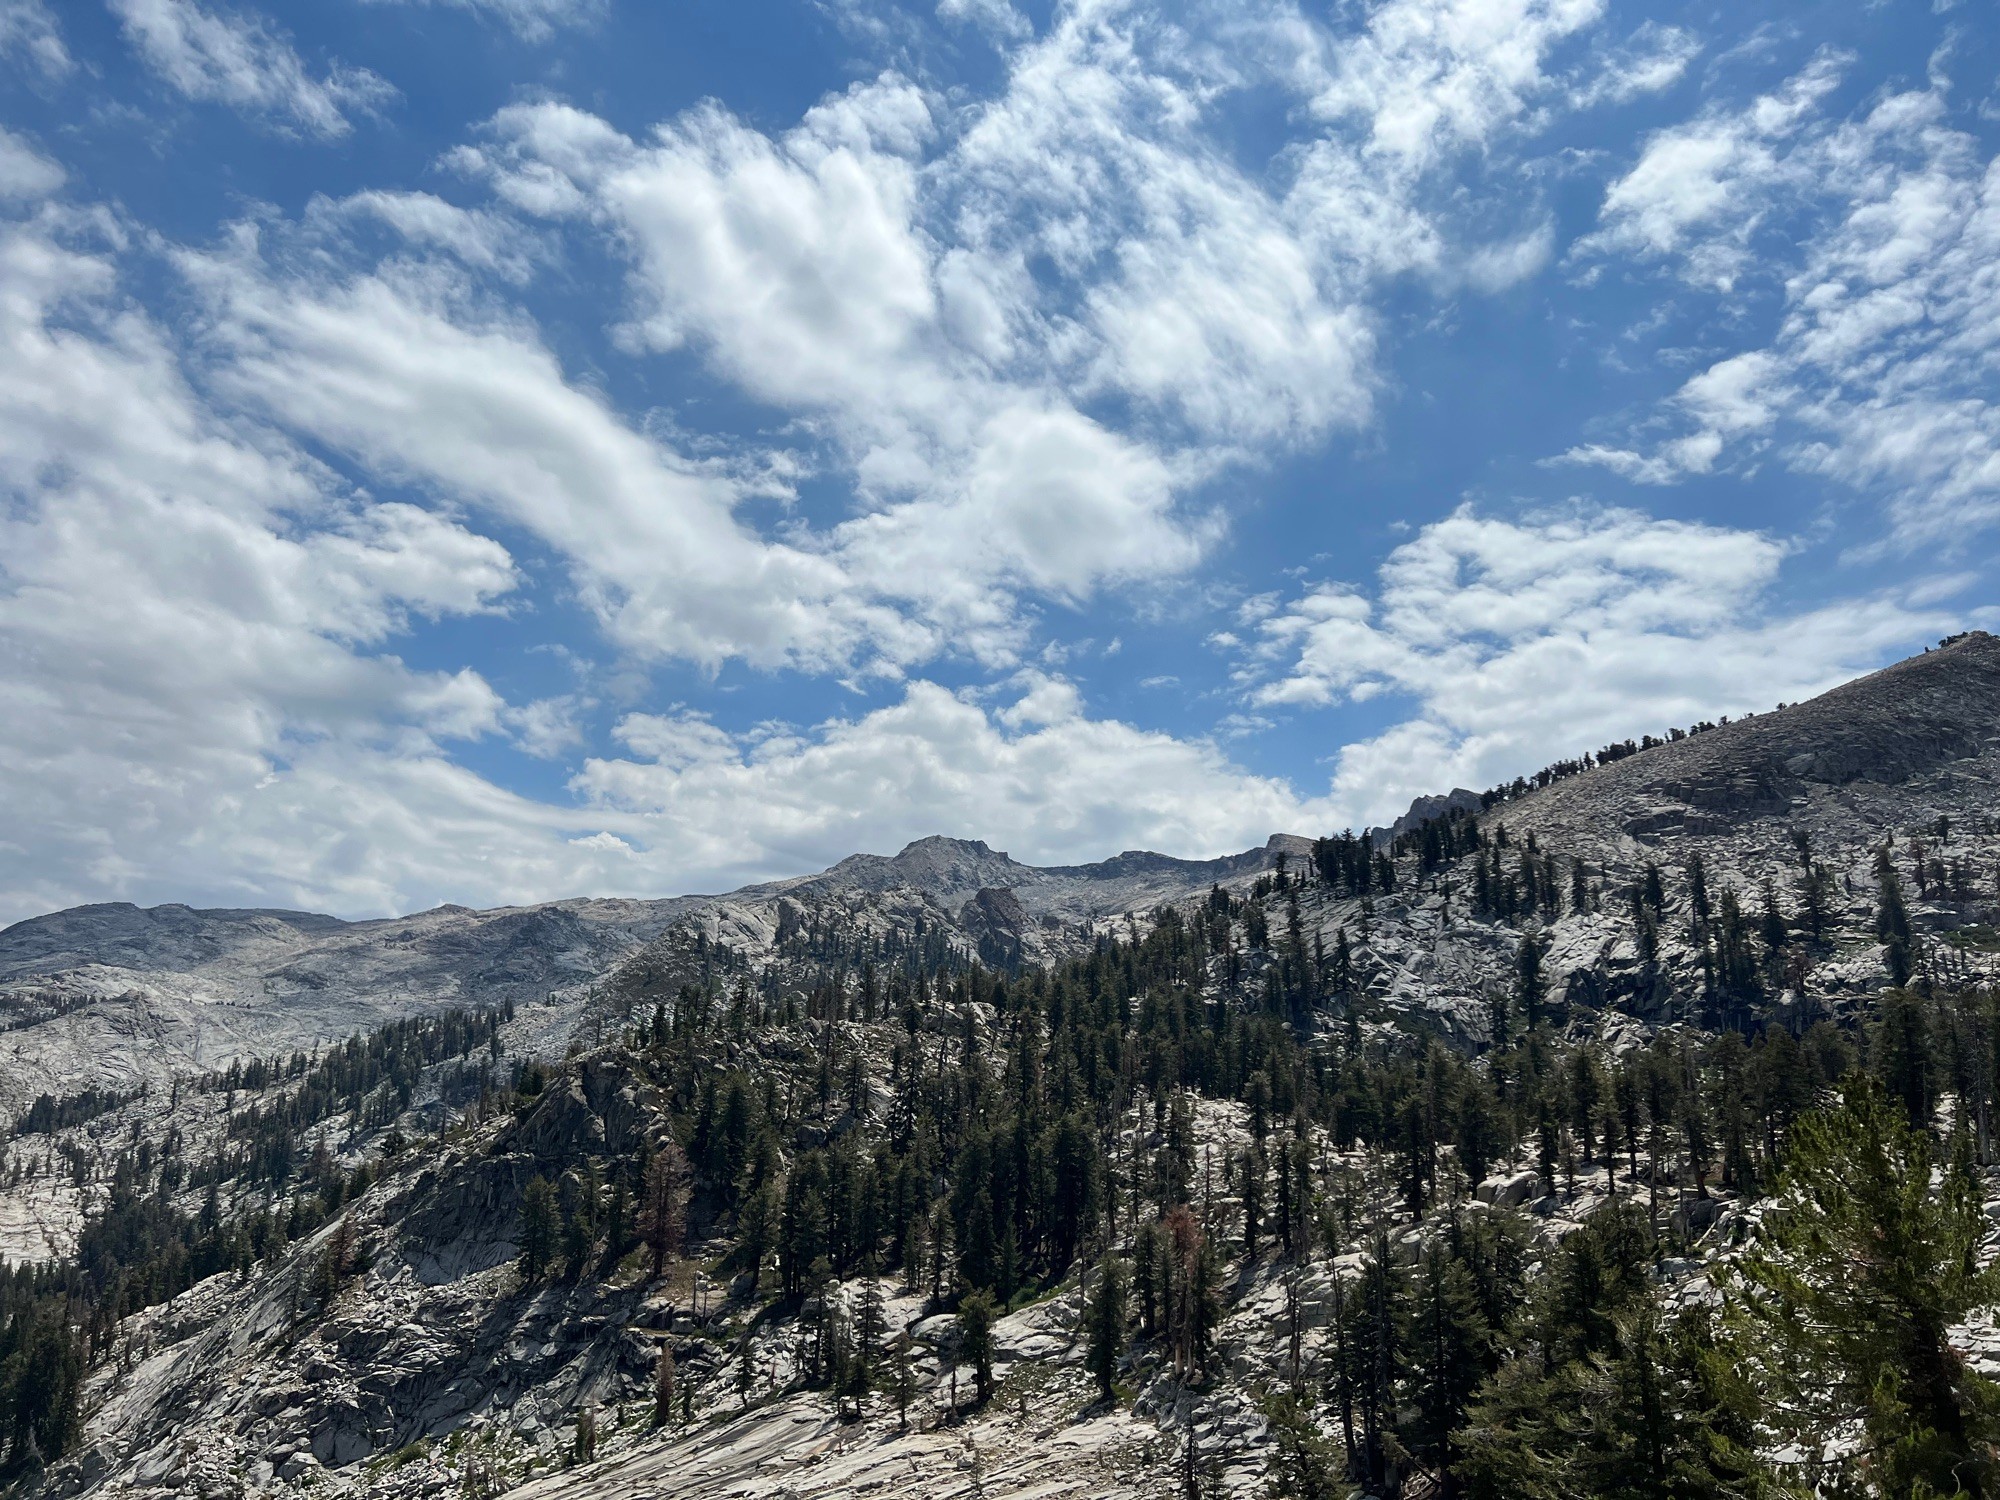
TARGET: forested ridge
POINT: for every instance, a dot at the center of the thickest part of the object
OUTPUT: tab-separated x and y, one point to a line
1571	1257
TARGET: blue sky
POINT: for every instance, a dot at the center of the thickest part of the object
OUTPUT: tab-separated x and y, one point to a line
489	450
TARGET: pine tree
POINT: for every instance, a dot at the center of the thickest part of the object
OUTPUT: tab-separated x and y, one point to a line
976	1312
756	1234
1586	1094
1653	889
871	1324
1812	886
1251	1169
1902	1054
1149	1277
1370	1350
1607	1399
1450	1352
1698	897
1656	1415
902	1379
1529	985
1892	918
1845	1302
1305	1466
538	1228
1104	1325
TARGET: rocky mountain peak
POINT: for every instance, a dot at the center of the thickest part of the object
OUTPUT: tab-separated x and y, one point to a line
428	1275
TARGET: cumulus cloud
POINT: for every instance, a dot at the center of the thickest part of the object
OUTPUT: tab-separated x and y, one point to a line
1051	784
479	239
392	368
24	172
1882	369
1522	641
948	295
239	59
1427	79
1700	191
28	30
196	702
796	266
200	697
188	604
995	350
1170	274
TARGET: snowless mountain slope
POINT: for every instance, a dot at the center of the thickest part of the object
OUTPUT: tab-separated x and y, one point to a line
946	1035
115	996
1863	759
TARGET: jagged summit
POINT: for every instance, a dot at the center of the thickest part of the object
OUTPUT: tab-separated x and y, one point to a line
1423	809
936	863
946	841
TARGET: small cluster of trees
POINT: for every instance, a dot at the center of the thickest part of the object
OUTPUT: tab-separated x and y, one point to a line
579	1225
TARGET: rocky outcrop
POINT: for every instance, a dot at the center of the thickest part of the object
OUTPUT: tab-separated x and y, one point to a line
1423	810
998	926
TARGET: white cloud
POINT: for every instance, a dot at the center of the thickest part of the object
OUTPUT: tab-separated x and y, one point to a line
1050	785
189	608
198	703
1524	641
479	239
997	18
1170	273
238	59
532	20
1427	79
946	295
1653	59
797	268
546	728
398	369
27	28
1044	700
366	829
1700	191
24	171
1881	373
1027	328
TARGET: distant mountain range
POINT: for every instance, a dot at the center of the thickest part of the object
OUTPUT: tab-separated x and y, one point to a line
324	1279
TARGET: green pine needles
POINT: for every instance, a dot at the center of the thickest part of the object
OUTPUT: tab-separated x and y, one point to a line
1846	1302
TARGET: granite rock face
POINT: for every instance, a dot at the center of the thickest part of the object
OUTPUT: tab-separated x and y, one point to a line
118	997
1864	759
433	1370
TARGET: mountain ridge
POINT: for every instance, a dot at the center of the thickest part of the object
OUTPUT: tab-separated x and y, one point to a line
382	1277
207	986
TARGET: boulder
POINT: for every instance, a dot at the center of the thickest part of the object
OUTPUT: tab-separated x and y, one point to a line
1509	1190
